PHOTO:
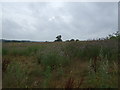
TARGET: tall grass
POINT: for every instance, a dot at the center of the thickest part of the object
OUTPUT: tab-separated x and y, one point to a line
87	50
52	57
20	51
15	76
47	76
81	50
5	51
101	77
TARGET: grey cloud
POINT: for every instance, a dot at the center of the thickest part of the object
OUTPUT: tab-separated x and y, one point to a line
43	21
10	28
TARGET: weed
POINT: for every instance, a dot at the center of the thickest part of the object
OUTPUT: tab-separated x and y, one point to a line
52	58
33	49
5	51
19	52
69	83
100	77
80	82
5	64
15	75
47	75
60	71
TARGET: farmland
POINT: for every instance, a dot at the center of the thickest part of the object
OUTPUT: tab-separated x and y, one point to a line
81	64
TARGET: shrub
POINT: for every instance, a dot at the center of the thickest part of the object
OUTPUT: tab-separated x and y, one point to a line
58	38
72	40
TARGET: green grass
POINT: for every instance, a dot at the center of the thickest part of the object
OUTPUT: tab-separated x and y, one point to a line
16	75
47	65
102	78
5	51
20	51
53	58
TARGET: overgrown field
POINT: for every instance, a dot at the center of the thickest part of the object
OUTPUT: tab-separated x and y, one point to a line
82	64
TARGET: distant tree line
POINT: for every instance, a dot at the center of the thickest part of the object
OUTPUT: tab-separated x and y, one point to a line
72	40
115	35
58	39
3	40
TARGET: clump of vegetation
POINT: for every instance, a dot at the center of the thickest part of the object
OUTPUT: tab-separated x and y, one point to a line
82	51
5	51
99	75
5	64
19	52
70	83
61	64
72	40
33	49
15	76
58	38
115	35
53	58
47	76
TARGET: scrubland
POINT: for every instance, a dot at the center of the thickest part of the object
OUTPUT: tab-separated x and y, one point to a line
81	64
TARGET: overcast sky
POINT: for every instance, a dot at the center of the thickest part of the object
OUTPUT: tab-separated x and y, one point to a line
44	21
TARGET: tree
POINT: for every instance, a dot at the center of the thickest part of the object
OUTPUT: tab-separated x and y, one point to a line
115	35
72	40
77	40
58	38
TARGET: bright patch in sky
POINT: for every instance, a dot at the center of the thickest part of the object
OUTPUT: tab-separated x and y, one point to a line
52	18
